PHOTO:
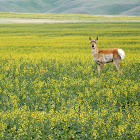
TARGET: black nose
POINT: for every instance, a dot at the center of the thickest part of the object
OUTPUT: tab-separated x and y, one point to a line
92	46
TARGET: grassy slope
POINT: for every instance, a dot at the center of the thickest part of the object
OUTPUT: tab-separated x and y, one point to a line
68	6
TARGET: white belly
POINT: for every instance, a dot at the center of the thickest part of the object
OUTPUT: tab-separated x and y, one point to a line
108	58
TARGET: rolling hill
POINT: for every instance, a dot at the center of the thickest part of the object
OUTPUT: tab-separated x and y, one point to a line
95	7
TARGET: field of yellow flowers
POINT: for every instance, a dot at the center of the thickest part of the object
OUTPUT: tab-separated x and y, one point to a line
49	87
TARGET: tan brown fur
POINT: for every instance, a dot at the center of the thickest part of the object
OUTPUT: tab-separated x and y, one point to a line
113	51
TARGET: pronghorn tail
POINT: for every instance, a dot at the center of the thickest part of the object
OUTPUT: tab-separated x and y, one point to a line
121	53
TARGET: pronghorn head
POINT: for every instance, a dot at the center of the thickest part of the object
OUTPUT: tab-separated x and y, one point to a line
93	42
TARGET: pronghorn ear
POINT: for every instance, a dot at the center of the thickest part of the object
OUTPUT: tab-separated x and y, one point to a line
90	38
96	38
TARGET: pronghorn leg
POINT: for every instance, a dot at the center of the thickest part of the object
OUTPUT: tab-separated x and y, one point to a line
102	65
99	69
117	64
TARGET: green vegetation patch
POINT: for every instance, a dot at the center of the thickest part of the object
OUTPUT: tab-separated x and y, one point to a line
49	87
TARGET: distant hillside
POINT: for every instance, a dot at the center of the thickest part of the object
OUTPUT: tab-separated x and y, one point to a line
95	7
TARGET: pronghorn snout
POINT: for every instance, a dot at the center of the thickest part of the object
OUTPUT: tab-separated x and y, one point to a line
93	44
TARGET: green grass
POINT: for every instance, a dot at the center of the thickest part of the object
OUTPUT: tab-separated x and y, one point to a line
49	87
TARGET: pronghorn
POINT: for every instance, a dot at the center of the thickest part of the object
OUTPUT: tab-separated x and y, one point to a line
103	56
